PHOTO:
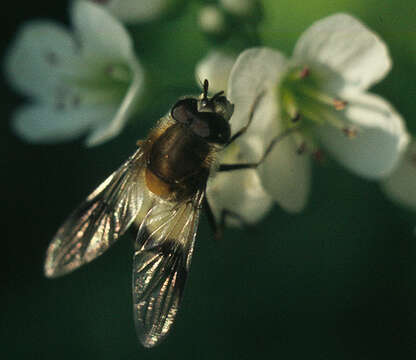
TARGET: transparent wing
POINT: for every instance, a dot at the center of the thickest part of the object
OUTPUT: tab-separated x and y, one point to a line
99	221
161	263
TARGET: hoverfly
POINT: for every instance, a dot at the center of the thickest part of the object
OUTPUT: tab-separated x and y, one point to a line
161	187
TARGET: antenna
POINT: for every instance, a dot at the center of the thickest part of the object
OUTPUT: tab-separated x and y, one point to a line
206	84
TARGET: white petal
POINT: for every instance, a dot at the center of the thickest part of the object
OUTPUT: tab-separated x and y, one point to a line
132	11
100	34
239	191
107	130
46	124
285	175
215	67
400	184
256	71
380	140
40	54
347	47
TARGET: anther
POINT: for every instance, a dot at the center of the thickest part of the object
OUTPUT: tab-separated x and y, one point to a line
304	73
339	104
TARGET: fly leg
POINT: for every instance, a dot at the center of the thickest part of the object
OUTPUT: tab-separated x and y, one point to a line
218	227
250	119
231	167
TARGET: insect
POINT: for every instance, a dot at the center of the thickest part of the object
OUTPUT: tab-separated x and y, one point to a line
161	187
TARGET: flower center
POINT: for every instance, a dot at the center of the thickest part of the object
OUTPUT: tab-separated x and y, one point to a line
105	83
306	104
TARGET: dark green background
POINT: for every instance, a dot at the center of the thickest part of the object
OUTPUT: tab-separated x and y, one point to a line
336	282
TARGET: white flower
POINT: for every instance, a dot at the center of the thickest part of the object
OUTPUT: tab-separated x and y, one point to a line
211	20
85	82
400	184
239	192
135	11
321	94
215	67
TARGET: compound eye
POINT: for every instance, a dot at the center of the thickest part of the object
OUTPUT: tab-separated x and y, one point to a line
200	126
220	99
184	110
212	127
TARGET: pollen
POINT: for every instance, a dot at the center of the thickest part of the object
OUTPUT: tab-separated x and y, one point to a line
339	104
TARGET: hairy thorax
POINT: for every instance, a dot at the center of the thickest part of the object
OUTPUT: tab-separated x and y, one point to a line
178	162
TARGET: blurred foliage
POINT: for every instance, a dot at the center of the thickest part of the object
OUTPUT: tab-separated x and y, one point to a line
335	282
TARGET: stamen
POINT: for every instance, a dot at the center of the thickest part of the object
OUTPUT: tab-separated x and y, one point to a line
290	106
313	115
323	98
322	114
